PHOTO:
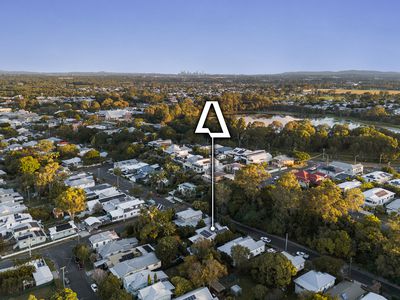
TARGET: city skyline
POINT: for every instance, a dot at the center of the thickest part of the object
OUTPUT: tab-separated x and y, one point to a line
223	37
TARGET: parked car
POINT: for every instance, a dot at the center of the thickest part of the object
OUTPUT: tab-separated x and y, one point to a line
265	239
271	250
66	280
305	255
94	288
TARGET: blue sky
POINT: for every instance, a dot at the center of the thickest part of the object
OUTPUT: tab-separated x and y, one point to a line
213	36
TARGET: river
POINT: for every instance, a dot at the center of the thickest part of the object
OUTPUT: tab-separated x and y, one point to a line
330	121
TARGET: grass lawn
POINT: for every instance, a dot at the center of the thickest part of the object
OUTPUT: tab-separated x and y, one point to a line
44	292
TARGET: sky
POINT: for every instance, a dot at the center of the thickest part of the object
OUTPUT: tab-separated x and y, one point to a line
211	36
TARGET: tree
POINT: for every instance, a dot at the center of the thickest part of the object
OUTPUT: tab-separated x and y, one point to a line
72	200
154	223
328	264
65	294
250	177
45	146
46	175
260	292
182	285
272	270
327	202
28	165
91	157
167	249
82	252
68	151
240	256
110	288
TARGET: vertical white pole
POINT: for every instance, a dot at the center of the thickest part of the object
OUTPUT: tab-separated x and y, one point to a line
212	185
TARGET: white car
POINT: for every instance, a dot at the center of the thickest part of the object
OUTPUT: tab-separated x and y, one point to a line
94	288
300	253
265	239
271	250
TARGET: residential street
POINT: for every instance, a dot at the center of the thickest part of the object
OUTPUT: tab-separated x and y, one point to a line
360	275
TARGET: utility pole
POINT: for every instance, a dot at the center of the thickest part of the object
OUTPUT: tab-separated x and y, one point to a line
63	275
323	153
30	245
355	159
380	159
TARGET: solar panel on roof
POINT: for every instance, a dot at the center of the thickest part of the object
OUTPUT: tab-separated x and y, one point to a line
206	233
192	297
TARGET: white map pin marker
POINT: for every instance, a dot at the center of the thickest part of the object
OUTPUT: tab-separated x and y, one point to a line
224	134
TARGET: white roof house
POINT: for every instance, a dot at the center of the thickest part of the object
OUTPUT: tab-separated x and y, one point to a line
257	157
161	290
393	207
117	246
72	162
255	247
80	180
198	294
147	261
297	261
373	296
42	274
188	217
348	185
377	196
314	281
63	230
349	169
377	176
136	281
102	238
205	232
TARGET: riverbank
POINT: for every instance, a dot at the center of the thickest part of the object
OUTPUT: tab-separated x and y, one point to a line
317	119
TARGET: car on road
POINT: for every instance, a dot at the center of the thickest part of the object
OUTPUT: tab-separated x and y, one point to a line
94	288
271	250
300	253
66	280
265	239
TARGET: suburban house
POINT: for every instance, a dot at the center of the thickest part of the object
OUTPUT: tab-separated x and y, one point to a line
347	290
378	196
10	208
118	211
117	246
72	162
102	238
161	290
283	161
305	178
348	185
255	247
63	230
160	143
139	280
29	238
81	180
92	223
205	233
10	221
349	169
330	170
313	281
42	273
373	296
186	188
188	217
257	157
393	207
147	261
377	177
297	261
200	294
